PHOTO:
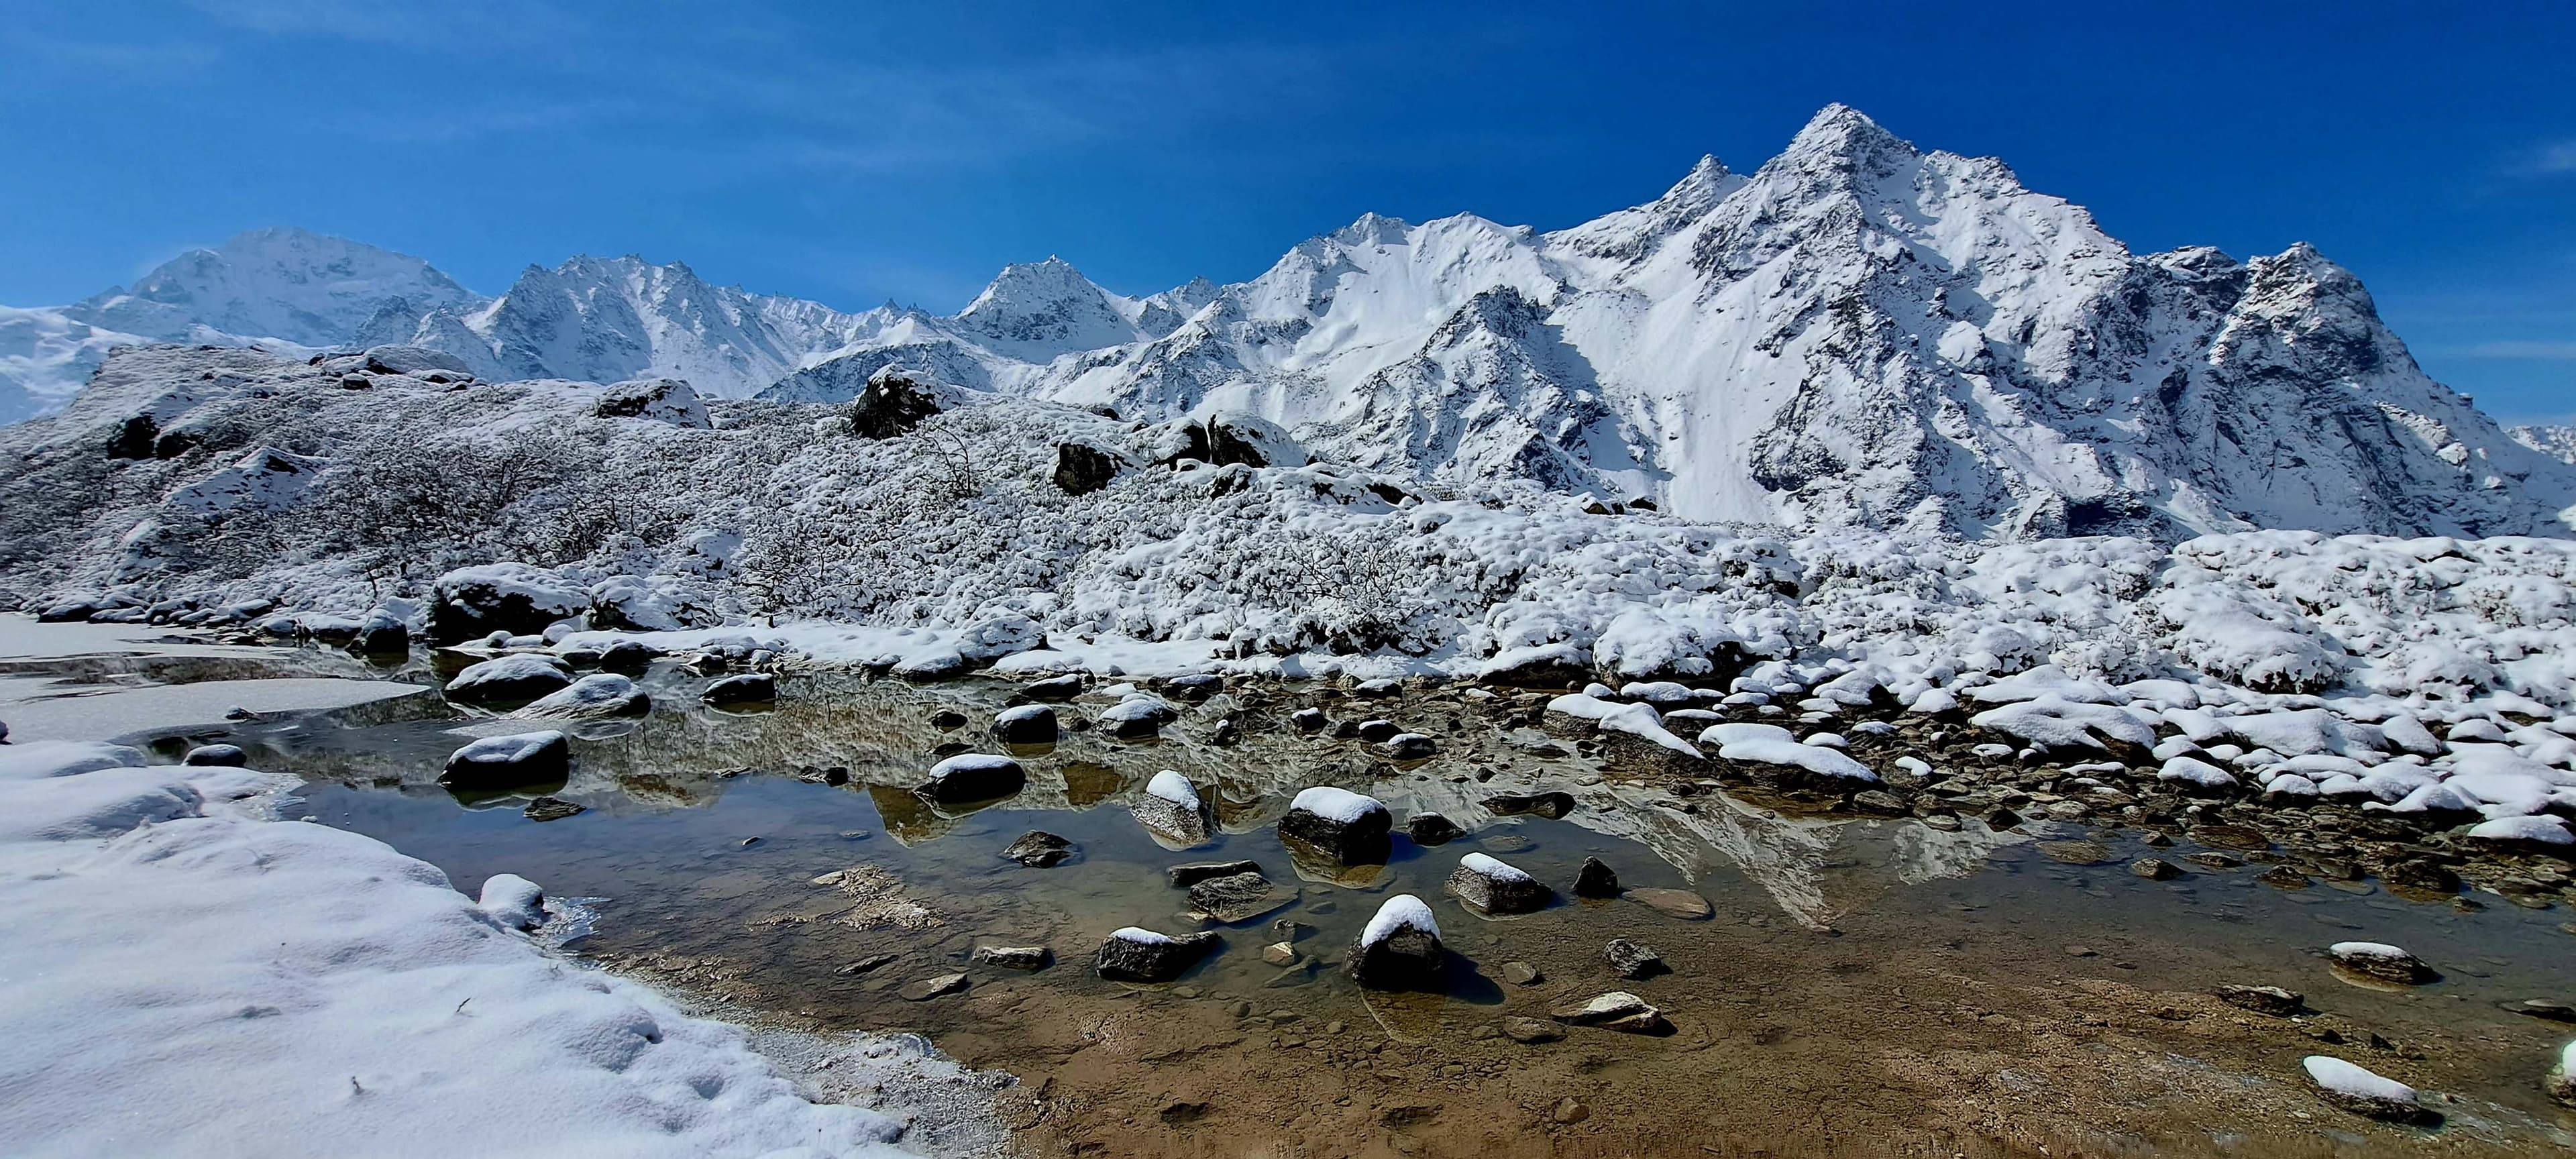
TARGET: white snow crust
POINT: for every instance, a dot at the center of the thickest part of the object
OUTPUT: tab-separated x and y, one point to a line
2335	1074
1485	866
1334	804
1401	912
1173	787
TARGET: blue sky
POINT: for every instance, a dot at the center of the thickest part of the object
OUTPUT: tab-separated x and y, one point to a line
850	154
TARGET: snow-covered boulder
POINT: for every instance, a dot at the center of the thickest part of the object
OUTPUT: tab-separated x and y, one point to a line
1770	755
1027	724
972	778
508	762
1350	827
742	688
1171	811
2055	724
1399	949
2536	833
1493	887
472	602
506	679
598	696
415	361
1134	954
892	404
2381	961
1137	717
667	400
513	901
226	755
2364	1093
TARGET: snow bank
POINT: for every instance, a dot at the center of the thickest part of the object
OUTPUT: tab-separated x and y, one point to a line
186	976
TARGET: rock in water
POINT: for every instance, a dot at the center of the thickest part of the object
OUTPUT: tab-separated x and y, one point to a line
928	988
551	809
1679	903
2154	869
2271	1000
2363	1093
970	778
1495	887
747	688
1350	827
1027	724
1595	879
1081	469
892	404
1185	876
1410	746
1400	949
2384	962
1238	897
1039	849
509	679
1377	731
1141	955
599	696
472	602
381	633
1616	1010
1308	719
505	762
1171	810
1013	957
1432	829
216	754
1632	961
1551	804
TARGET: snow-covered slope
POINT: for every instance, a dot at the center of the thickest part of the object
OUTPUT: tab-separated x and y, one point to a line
2556	441
279	289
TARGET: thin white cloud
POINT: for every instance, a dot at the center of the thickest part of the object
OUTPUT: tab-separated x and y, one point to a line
2552	351
2555	157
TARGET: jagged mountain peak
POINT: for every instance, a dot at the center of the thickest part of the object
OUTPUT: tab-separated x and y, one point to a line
1841	131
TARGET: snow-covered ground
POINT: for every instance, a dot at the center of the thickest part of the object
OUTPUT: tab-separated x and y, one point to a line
187	976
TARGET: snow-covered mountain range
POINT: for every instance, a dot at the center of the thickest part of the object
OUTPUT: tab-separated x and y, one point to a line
1859	332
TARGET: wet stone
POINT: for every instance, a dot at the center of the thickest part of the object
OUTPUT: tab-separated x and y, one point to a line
1522	974
1280	954
2076	852
1013	957
2237	837
2271	1000
2382	962
550	809
2284	877
1374	731
926	989
1039	849
1432	829
1308	720
1410	746
1616	1010
1133	955
865	965
1678	903
1596	879
1026	724
1495	888
747	688
1632	961
2154	869
1239	897
1551	804
1531	1031
1191	873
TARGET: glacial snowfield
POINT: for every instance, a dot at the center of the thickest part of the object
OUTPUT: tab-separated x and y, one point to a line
1870	478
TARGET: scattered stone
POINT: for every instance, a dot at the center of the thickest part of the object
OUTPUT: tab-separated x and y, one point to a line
219	755
2284	877
1410	746
1379	689
628	656
1596	879
1308	719
1194	687
1530	1031
1374	731
598	696
1280	954
2271	1000
505	762
2381	961
947	718
1138	717
2155	869
1400	949
1189	874
1678	903
1632	961
1238	897
970	778
745	688
1432	829
1497	888
1549	804
1039	849
1522	974
2075	852
1027	724
1171	810
1350	827
1014	957
925	989
2544	1009
550	809
1139	955
2364	1093
890	405
1617	1010
865	965
1570	1110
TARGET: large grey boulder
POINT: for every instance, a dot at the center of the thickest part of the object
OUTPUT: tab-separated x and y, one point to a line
1399	949
506	762
1134	954
472	602
892	404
